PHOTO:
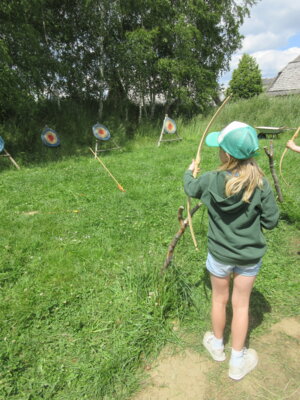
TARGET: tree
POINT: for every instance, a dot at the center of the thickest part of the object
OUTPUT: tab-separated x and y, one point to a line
84	49
246	80
190	42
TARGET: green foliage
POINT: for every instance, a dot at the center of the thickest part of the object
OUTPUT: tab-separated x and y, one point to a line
87	49
14	97
246	80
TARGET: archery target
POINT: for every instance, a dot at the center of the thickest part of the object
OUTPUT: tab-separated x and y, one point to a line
170	125
101	132
1	144
50	138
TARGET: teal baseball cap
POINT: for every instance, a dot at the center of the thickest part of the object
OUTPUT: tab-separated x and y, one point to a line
237	139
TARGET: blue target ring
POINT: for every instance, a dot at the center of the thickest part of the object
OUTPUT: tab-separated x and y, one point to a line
169	125
101	132
49	138
1	144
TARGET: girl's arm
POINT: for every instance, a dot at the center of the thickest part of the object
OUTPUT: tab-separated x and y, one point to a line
192	186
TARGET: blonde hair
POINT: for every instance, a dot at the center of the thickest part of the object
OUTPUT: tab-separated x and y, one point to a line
245	175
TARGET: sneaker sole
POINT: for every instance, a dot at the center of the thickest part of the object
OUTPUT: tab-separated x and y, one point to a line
241	376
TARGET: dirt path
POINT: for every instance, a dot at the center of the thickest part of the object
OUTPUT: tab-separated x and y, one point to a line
189	375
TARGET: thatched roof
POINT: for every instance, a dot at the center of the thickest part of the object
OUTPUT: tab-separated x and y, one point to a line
267	82
287	81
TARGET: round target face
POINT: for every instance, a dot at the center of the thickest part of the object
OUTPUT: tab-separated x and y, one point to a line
170	125
1	144
101	132
50	138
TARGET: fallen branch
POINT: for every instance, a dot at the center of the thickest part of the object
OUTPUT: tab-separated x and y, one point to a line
270	154
183	224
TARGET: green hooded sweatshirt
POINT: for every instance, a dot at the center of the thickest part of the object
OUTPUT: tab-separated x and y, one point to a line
235	227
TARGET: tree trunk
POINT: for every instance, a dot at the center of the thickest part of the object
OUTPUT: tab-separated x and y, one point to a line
100	108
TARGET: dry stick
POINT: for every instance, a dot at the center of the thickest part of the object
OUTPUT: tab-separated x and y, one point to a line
107	170
270	154
183	224
197	162
283	154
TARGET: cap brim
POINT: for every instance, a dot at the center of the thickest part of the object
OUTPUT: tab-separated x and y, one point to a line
212	139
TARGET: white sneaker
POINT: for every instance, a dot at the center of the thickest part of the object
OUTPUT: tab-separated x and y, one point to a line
248	363
217	354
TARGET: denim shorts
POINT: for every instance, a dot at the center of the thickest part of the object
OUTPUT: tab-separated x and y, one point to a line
222	270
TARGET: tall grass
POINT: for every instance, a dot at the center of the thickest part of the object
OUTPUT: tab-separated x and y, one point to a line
83	304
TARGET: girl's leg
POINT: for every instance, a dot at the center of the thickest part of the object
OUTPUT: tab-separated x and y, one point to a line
242	287
220	296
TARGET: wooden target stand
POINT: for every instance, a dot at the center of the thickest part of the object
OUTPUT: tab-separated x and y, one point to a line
100	146
10	157
6	153
166	131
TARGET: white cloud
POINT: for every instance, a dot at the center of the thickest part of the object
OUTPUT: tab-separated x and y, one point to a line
262	41
273	61
280	16
272	24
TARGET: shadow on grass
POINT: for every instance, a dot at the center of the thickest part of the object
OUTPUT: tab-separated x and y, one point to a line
258	307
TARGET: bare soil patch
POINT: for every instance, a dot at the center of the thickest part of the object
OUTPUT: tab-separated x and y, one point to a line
192	375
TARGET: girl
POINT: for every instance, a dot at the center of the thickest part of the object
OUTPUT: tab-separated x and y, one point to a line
240	203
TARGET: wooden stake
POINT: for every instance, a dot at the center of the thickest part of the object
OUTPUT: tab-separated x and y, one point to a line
162	131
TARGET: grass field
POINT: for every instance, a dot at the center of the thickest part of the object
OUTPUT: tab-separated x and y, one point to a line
83	303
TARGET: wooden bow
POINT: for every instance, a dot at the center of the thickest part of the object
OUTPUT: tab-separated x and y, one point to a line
197	163
284	153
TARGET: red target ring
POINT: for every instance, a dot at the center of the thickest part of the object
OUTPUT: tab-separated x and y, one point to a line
170	125
101	132
50	138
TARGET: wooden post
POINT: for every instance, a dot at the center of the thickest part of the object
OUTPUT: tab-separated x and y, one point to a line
162	131
270	154
116	147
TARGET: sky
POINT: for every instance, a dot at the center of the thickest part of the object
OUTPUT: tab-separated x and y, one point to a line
271	36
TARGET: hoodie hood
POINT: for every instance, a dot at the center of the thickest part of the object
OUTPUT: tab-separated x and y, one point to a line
217	199
229	205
